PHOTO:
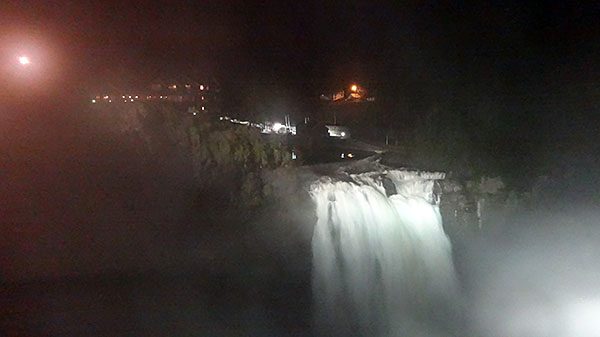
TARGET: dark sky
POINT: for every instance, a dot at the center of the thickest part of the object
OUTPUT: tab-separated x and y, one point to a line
531	61
500	43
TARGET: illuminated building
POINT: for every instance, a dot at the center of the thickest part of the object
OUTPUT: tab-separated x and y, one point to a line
203	95
200	93
352	108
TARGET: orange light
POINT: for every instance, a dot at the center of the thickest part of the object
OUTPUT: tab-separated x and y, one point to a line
24	60
354	87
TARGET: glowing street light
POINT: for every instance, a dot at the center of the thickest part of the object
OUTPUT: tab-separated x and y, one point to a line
24	60
354	88
278	127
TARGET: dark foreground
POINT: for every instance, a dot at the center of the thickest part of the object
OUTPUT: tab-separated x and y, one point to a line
152	304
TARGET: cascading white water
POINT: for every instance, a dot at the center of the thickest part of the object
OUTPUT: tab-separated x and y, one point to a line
382	264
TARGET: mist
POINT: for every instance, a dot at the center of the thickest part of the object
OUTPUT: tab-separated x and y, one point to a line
538	278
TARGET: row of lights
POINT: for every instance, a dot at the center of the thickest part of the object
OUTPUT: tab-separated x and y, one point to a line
132	98
188	86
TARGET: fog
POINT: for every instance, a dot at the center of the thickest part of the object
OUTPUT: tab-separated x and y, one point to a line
101	238
539	278
80	198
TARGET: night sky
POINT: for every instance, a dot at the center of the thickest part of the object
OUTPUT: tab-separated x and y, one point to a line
507	45
523	70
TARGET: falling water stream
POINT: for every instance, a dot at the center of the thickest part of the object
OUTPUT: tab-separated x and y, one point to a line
382	264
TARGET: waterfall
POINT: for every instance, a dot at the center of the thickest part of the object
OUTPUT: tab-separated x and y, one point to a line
382	264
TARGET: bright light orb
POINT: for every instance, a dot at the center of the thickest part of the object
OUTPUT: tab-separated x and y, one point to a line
277	127
24	60
354	87
582	318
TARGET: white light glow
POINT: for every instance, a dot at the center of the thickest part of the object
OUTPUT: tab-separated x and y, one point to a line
277	127
583	319
93	101
201	87
343	134
24	60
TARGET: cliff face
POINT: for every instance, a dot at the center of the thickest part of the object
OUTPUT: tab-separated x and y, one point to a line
244	184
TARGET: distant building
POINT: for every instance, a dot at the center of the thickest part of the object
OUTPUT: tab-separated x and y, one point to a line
352	94
351	109
203	95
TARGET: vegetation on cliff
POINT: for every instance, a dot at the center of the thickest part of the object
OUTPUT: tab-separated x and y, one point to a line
226	160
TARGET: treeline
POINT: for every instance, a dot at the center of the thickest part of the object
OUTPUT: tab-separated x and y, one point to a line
471	146
226	160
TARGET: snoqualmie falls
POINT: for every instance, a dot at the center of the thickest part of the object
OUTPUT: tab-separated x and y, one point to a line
382	264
